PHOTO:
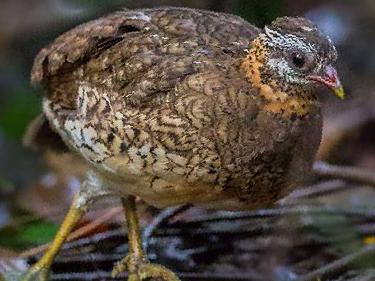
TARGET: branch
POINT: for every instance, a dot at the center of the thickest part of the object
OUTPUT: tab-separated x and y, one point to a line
338	264
354	174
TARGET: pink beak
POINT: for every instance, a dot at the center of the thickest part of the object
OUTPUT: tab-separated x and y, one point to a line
331	80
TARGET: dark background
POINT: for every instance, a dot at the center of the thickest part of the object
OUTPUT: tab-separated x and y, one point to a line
26	177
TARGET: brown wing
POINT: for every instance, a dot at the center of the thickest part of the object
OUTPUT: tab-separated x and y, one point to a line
78	46
140	53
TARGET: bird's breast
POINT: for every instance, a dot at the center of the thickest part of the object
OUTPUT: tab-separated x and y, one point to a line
269	156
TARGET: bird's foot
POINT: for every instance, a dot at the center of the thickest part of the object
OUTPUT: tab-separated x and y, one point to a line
36	273
140	269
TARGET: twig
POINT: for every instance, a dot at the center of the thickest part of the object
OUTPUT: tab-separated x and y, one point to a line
276	212
92	257
338	264
77	233
316	190
366	276
159	220
96	238
103	275
353	174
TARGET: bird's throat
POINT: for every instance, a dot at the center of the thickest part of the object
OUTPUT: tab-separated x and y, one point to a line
281	100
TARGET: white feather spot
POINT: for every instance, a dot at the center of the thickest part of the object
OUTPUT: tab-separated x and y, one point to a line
89	135
140	16
307	29
144	150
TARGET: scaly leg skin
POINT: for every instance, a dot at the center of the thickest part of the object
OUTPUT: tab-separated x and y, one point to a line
91	189
135	262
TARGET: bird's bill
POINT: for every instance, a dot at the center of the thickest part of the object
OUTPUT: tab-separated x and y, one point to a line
331	80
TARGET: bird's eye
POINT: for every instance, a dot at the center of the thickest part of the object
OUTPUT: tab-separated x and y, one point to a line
298	60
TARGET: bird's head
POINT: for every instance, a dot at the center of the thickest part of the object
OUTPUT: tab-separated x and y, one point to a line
292	53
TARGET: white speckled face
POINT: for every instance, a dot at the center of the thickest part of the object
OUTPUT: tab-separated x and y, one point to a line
291	57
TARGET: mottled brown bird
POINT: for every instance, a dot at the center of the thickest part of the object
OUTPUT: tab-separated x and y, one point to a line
176	106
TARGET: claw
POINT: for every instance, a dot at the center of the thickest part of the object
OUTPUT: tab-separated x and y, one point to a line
121	266
140	270
149	270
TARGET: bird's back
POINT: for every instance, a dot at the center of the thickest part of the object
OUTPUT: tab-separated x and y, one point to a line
161	29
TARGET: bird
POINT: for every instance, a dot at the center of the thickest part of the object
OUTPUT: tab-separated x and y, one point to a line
182	106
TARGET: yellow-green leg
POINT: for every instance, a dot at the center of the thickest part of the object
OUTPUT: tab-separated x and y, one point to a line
91	189
135	262
40	270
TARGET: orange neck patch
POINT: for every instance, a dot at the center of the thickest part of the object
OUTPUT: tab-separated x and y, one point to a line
277	101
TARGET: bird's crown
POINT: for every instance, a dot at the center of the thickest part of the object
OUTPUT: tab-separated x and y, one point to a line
300	33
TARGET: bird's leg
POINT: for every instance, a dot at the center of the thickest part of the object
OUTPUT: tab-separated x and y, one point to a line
40	270
135	262
81	202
